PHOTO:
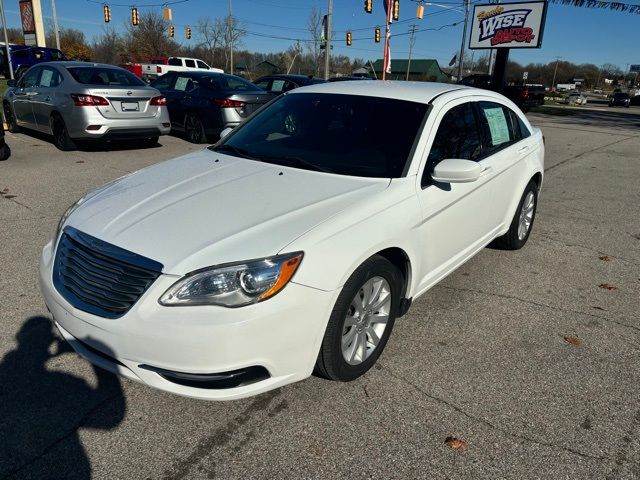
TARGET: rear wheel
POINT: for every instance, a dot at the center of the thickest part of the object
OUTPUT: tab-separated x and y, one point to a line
361	321
12	126
61	138
194	129
522	222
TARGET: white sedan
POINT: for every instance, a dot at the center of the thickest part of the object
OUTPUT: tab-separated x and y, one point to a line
293	244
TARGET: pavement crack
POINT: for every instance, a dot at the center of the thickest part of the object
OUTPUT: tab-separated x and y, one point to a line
552	167
590	249
487	423
17	202
538	304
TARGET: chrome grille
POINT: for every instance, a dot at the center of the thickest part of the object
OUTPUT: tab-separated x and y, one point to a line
100	278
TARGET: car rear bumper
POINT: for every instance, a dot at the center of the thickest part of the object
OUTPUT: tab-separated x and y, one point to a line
88	123
191	351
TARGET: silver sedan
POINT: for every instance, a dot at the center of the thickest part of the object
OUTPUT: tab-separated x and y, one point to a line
76	101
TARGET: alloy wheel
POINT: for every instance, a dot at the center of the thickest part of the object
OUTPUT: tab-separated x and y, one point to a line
526	215
366	320
193	128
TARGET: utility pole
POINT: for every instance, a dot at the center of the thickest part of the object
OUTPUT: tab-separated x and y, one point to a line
6	38
327	41
555	70
231	29
55	23
464	39
412	41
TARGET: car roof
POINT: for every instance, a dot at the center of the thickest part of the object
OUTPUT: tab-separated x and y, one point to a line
71	63
421	92
292	76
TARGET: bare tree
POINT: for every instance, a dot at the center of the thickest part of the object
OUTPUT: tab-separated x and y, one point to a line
108	47
314	25
234	32
211	34
149	38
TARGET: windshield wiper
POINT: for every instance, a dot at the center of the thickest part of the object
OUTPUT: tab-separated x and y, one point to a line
294	162
240	152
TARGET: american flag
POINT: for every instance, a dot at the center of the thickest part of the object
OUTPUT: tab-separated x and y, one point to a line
387	50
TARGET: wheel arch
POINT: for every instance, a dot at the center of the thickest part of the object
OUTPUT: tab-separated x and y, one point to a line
400	259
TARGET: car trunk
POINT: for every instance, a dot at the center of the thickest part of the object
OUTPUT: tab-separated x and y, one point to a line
251	100
126	102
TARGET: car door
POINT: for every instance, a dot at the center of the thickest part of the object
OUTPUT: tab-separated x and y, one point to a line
180	93
457	218
26	89
43	100
507	144
165	85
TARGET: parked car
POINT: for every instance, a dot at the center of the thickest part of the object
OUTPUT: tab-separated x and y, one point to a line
280	83
23	57
525	96
76	101
203	104
347	79
620	99
294	243
160	66
575	98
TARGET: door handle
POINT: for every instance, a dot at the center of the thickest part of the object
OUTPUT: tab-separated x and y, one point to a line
486	171
524	149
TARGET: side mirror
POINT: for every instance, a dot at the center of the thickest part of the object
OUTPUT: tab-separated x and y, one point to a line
225	132
453	170
11	83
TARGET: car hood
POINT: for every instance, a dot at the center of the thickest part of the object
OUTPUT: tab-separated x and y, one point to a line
207	208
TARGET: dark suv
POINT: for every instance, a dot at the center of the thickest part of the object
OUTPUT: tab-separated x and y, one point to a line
23	57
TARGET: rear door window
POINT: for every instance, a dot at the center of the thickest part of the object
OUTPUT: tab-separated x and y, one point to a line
164	82
189	63
183	83
49	78
175	62
498	129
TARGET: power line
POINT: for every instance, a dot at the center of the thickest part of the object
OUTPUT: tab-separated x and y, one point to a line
138	5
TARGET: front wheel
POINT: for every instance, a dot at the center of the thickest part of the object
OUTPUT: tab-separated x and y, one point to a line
12	126
194	129
361	321
522	221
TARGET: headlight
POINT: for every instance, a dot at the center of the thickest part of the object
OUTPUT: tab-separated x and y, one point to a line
234	285
79	202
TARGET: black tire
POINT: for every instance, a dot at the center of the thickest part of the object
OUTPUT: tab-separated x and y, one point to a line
5	151
331	363
511	240
61	138
12	126
152	141
193	128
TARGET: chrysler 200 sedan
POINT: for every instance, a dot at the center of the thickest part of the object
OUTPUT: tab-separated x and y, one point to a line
294	243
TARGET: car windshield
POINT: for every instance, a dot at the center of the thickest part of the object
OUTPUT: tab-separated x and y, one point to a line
344	134
104	76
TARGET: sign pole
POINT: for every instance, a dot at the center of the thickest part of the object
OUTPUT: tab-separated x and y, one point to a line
499	70
55	23
327	41
6	39
386	41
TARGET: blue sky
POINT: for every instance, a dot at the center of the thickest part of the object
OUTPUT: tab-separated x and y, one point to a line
576	34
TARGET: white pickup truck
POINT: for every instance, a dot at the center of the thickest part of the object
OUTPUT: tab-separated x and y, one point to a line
151	71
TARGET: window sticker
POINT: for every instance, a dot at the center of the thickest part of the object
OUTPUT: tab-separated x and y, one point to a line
277	85
181	83
47	78
497	125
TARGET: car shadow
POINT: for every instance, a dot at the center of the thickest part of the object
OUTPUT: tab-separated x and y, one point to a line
42	408
96	145
629	118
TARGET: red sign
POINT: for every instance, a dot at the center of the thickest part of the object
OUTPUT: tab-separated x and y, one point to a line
26	14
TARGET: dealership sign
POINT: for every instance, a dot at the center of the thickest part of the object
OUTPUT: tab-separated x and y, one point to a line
508	25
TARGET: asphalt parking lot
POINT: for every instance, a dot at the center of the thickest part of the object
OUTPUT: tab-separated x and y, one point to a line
530	358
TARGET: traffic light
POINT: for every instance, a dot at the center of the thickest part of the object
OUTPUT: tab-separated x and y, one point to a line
420	11
172	31
396	9
188	33
377	35
368	6
135	19
348	39
107	14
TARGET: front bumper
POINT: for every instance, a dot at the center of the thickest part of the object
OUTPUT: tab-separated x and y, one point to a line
280	336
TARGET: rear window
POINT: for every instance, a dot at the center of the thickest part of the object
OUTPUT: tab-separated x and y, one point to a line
237	84
621	95
104	76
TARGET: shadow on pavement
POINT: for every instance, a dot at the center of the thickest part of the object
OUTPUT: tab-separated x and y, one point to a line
41	409
630	118
97	145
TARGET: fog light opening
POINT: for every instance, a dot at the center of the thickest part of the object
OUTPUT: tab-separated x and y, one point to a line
94	127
